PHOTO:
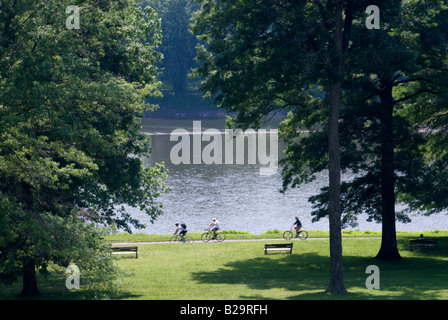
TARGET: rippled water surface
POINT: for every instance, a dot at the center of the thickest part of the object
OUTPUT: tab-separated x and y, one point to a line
236	194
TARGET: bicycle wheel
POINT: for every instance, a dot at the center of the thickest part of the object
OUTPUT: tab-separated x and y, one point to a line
188	239
303	235
205	237
220	237
287	235
174	239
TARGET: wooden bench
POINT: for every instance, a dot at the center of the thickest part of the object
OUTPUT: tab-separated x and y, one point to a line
423	243
125	250
277	247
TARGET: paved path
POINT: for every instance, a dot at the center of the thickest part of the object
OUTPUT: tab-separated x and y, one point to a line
240	240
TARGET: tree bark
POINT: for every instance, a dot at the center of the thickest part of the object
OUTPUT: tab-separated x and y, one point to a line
388	249
334	203
336	284
30	288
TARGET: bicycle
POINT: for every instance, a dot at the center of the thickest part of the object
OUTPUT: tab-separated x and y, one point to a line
178	238
206	236
301	234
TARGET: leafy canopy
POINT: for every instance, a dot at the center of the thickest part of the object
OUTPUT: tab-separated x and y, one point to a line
71	102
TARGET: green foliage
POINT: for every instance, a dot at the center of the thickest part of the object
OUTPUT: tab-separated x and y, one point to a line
259	58
231	231
178	44
274	231
395	61
427	110
253	58
71	102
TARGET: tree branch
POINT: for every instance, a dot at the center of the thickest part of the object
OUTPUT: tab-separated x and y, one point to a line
412	80
350	10
414	95
432	67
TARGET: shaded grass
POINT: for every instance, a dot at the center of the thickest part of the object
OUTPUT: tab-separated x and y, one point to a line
52	287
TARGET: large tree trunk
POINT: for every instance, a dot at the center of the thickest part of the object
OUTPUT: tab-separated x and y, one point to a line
334	203
388	250
336	284
30	288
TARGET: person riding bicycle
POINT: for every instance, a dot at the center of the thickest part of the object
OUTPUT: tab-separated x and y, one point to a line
182	229
214	227
297	225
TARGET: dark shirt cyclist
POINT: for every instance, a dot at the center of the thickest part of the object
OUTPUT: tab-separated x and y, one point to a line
297	225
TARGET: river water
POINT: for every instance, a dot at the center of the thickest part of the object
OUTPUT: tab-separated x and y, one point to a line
238	195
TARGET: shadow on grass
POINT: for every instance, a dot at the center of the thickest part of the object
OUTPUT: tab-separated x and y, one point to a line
418	275
53	288
51	292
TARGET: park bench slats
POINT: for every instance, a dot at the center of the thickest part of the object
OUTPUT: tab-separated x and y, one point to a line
423	244
125	250
277	247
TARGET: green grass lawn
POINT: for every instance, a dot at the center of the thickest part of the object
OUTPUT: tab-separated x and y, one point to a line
270	234
233	234
241	270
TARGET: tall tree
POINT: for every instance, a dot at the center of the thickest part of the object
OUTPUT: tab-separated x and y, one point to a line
380	144
342	30
71	101
262	56
398	65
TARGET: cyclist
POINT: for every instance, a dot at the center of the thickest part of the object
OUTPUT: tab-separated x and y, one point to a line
297	225
215	227
182	229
